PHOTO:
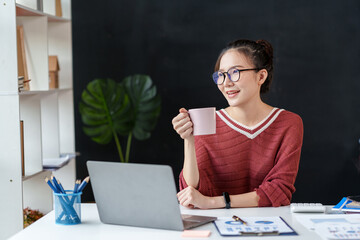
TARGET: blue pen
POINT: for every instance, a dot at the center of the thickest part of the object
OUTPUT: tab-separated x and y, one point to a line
83	184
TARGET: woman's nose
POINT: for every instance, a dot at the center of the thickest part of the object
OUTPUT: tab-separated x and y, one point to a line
227	80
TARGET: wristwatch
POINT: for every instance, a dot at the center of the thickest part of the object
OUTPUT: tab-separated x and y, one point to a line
227	200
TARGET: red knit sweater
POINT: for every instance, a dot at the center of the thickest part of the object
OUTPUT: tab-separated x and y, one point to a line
238	159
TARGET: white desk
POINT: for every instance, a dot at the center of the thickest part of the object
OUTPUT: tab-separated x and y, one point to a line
92	228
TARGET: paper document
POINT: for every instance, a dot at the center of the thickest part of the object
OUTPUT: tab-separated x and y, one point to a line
229	227
339	231
53	163
332	226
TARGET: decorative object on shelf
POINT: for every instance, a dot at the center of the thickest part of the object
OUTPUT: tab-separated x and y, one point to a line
53	72
130	108
31	216
21	57
21	83
58	8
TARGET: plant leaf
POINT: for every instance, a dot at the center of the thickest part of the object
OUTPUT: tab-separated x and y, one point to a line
103	107
146	104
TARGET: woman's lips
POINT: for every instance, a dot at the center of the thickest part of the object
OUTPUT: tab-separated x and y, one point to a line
232	93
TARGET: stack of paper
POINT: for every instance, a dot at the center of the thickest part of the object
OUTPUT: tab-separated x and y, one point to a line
55	163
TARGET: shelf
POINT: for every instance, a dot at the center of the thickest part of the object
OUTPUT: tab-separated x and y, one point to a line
26	11
36	193
30	114
36	51
27	177
39	123
50	91
44	92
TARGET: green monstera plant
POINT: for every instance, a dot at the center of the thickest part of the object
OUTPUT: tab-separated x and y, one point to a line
130	108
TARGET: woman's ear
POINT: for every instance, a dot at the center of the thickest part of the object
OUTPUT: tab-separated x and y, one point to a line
262	75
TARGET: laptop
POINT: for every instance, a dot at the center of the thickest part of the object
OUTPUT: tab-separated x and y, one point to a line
140	195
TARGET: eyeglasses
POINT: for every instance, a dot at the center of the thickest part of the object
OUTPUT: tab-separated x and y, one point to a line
233	74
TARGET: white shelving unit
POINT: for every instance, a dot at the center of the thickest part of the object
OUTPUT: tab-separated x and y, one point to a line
47	114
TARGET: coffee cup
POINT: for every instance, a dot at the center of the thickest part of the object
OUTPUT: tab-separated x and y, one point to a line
204	120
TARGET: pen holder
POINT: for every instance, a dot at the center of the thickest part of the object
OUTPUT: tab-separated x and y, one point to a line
67	208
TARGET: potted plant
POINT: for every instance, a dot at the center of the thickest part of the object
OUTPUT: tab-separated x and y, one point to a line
30	216
130	108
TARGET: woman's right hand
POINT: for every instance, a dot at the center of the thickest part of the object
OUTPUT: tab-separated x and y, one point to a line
182	124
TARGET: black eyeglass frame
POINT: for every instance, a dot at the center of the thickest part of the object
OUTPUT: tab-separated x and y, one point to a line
227	73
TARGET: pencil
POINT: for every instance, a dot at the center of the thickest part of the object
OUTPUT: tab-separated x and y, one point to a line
77	183
56	185
236	218
51	185
61	187
83	184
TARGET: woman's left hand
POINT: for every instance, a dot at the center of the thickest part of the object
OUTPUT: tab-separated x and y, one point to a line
190	197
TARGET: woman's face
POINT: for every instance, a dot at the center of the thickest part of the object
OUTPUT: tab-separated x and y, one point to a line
247	88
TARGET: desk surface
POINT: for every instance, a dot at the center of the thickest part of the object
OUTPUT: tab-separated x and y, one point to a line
92	228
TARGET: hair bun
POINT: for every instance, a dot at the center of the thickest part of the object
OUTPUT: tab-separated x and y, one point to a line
267	46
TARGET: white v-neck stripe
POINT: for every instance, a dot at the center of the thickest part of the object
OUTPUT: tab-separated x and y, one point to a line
247	134
246	127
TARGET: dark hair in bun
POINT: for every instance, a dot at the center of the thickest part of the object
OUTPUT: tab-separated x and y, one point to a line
260	52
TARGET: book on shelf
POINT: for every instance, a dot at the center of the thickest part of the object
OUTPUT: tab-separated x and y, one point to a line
21	57
22	147
58	9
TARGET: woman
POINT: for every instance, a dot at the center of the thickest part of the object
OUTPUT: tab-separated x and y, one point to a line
253	158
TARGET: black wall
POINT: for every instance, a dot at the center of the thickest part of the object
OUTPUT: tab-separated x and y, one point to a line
317	59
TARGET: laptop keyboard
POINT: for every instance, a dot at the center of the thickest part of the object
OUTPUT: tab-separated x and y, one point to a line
191	221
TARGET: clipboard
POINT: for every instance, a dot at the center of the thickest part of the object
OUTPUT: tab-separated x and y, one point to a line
256	226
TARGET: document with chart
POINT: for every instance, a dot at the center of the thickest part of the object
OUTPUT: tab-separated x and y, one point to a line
333	226
247	226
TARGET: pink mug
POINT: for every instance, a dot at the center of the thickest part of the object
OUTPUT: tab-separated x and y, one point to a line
204	120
